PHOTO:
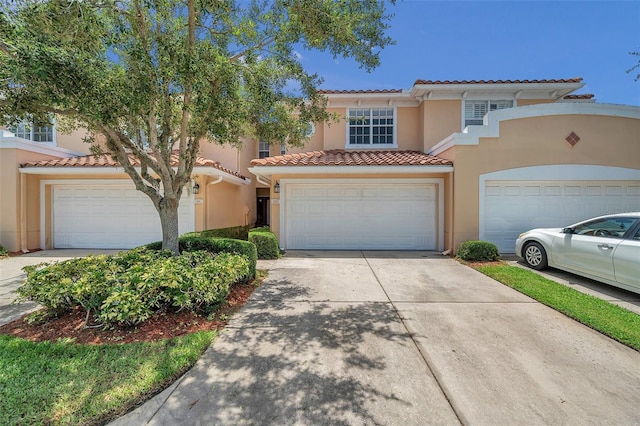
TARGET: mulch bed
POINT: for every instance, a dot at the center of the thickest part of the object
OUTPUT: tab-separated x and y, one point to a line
163	325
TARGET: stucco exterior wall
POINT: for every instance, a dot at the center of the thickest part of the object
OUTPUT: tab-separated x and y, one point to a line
604	140
223	206
9	207
409	128
440	119
240	209
11	183
227	155
73	141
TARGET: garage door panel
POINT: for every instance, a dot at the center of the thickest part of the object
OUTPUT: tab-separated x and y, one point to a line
108	216
360	216
512	207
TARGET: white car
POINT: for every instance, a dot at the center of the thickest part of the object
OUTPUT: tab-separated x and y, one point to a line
605	248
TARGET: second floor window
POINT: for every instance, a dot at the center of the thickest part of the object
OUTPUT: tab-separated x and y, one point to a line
34	131
371	126
263	149
474	111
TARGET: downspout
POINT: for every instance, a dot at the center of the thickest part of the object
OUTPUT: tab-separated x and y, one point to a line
213	182
264	182
23	213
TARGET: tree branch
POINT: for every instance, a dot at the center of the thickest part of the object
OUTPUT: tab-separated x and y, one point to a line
4	48
259	46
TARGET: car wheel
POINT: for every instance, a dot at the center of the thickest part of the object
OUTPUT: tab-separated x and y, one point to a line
535	256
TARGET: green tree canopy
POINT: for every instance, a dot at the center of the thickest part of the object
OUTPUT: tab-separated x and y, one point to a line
146	77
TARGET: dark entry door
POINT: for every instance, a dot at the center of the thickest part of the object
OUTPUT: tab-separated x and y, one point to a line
262	214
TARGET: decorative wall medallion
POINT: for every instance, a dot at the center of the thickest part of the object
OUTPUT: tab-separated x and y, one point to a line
573	139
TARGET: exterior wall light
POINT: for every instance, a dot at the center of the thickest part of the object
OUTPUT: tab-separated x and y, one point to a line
196	188
276	187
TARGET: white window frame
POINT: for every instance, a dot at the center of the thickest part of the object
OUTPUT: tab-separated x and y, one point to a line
372	145
488	100
283	148
264	150
32	132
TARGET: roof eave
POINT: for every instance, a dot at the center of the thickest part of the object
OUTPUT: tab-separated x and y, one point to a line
517	90
346	170
110	171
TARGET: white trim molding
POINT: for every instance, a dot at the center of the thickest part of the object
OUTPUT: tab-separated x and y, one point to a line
539	90
491	128
13	142
371	100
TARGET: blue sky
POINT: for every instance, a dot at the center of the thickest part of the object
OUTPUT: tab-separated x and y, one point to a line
493	40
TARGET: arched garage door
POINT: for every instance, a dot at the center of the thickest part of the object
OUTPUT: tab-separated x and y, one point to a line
514	206
109	216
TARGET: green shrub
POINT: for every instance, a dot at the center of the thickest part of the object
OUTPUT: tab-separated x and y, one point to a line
235	232
478	251
190	242
129	287
3	252
266	243
260	229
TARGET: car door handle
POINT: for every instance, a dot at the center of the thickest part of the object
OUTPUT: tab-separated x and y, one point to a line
604	246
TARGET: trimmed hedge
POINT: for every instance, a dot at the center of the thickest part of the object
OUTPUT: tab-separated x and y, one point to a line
266	243
235	232
127	288
190	242
478	251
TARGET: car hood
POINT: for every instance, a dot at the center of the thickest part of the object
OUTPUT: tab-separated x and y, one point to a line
546	230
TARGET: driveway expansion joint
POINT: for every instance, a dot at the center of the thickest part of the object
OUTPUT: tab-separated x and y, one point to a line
423	356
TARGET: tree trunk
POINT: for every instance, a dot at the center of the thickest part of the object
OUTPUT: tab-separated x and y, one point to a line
168	210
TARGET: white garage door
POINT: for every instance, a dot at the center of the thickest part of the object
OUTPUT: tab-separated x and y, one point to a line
367	216
109	216
512	207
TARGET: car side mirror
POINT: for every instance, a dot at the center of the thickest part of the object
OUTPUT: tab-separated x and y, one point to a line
567	230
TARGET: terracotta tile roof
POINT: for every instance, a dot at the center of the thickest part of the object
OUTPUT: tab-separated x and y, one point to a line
568	80
107	161
358	92
341	157
585	96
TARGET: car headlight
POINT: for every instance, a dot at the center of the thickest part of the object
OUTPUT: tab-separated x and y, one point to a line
522	235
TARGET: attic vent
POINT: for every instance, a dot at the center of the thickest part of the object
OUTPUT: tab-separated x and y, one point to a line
573	139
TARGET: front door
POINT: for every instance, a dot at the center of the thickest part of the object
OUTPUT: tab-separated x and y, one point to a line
262	213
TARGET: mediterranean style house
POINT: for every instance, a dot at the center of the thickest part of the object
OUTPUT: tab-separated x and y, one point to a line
424	168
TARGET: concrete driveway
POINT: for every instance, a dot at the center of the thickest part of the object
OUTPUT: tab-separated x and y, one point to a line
11	277
399	338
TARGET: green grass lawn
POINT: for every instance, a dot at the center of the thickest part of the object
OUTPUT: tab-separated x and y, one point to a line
62	382
607	318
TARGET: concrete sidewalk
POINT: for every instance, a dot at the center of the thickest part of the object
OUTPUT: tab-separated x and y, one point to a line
11	277
399	338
